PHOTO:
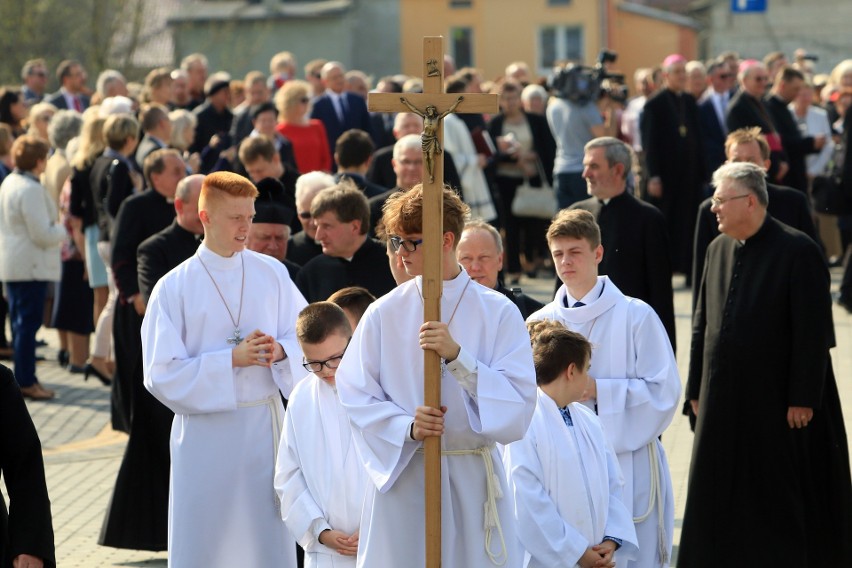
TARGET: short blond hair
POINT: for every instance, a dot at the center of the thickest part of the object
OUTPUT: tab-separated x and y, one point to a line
118	128
291	94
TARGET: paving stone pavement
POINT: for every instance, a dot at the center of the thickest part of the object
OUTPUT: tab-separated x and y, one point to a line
82	453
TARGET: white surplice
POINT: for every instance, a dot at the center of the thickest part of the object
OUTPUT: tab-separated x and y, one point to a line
380	383
567	487
319	476
223	508
638	389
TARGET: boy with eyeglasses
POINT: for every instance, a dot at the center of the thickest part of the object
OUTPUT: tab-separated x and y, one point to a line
318	476
488	397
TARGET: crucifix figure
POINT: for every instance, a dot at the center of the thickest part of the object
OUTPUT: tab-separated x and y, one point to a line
429	137
437	105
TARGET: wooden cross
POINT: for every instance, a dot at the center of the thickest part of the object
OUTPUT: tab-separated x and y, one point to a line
433	221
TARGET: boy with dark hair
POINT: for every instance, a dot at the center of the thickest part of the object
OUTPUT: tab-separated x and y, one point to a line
563	476
319	477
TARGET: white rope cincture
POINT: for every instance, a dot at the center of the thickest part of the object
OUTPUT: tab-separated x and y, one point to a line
492	493
655	498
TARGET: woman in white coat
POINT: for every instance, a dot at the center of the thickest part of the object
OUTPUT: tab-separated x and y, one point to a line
29	254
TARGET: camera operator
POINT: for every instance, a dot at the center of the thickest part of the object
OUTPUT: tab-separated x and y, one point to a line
580	112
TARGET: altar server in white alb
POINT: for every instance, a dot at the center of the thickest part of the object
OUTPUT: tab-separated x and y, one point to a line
487	397
319	476
635	385
218	344
563	476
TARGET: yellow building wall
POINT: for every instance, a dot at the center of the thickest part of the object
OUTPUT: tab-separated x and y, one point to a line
644	42
503	30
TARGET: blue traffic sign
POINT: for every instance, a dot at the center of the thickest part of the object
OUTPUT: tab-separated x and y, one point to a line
748	6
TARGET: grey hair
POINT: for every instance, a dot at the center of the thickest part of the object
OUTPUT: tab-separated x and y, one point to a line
400	116
312	183
326	69
615	151
181	119
480	225
64	126
745	71
407	142
106	78
747	176
193	58
533	92
184	186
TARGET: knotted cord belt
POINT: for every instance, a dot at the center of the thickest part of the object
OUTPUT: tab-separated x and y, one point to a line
492	493
656	498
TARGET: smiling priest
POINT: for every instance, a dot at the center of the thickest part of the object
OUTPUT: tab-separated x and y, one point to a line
222	383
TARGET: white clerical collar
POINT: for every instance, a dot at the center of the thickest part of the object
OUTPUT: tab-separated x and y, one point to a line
590	296
215	260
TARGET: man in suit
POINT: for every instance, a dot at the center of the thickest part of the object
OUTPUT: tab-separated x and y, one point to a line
154	119
257	93
674	155
711	114
71	94
787	205
748	109
383	122
338	109
633	233
786	88
34	78
352	153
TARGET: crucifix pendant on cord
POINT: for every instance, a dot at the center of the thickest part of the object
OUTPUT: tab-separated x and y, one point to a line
236	338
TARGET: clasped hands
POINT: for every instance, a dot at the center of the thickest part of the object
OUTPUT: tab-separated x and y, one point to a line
598	556
257	349
340	542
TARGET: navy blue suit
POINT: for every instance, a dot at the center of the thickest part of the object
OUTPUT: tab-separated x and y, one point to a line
714	136
355	115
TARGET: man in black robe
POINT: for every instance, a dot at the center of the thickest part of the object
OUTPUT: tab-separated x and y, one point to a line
261	160
349	256
352	154
214	123
674	155
480	251
270	230
26	527
786	88
137	516
633	233
787	205
139	217
770	462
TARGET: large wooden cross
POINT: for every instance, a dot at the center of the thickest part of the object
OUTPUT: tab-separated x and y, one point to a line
433	220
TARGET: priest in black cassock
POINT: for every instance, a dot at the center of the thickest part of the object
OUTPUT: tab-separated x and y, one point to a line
139	217
270	229
787	205
349	256
769	481
633	233
137	516
674	157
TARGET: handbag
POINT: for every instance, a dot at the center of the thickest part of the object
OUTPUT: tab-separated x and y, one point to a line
536	202
827	190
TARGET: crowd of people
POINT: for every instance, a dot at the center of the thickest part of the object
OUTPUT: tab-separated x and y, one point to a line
240	262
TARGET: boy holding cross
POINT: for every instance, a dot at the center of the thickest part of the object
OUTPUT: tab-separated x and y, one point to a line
488	397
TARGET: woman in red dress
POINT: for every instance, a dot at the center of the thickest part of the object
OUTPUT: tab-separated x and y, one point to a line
310	146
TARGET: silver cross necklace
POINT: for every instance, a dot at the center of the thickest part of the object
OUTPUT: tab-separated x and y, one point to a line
236	338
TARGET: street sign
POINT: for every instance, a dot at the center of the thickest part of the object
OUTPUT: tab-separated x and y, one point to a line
748	6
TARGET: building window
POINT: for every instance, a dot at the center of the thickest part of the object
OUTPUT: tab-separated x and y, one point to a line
559	43
462	46
461	3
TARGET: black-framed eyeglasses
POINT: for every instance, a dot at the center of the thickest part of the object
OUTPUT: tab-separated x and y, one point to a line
717	201
332	362
407	244
305	215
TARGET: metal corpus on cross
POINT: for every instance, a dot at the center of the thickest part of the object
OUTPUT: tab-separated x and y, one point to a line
432	105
